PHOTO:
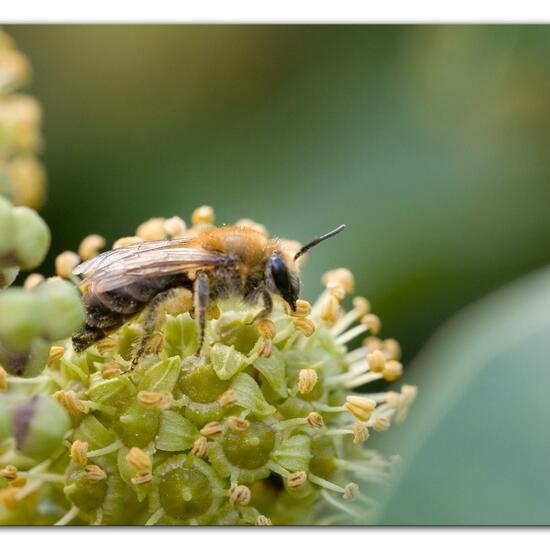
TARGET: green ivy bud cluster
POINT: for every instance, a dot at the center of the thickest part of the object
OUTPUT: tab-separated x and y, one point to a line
267	425
22	176
31	321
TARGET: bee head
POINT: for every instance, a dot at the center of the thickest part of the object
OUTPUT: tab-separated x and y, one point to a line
282	274
282	281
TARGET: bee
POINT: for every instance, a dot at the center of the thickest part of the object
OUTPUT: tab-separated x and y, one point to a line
221	263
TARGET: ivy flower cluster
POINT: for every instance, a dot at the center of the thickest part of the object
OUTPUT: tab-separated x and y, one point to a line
269	424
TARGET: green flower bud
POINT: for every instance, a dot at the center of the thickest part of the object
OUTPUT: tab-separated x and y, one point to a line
8	275
6	425
27	363
20	323
233	333
7	231
187	489
199	382
39	426
180	335
251	448
138	426
86	493
61	308
32	238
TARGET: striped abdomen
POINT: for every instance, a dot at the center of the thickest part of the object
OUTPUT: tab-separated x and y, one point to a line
106	311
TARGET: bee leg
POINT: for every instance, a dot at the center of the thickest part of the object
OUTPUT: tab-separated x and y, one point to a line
267	309
201	295
86	336
151	318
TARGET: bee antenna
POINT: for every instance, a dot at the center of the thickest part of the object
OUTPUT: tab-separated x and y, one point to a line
318	240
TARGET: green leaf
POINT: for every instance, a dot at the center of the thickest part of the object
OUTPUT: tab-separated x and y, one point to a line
476	443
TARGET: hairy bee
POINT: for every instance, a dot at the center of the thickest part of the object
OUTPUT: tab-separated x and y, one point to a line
223	262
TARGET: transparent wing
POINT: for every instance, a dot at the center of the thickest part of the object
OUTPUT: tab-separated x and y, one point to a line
120	254
137	263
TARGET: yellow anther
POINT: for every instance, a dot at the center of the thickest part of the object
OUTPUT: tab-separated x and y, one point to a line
263	520
32	281
111	370
213	312
79	452
307	378
392	370
303	308
138	459
238	424
408	394
315	420
211	429
239	495
175	227
142	477
94	472
381	423
200	447
360	407
361	305
304	325
203	215
376	361
336	290
297	479
330	309
55	354
3	379
151	399
126	241
266	349
90	246
65	263
151	230
70	402
360	433
393	399
227	398
342	276
392	348
351	490
107	345
372	322
372	343
266	328
9	472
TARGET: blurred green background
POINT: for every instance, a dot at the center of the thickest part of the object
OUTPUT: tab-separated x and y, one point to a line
429	141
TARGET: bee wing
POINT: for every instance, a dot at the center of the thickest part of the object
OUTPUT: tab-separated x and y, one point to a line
150	262
119	254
